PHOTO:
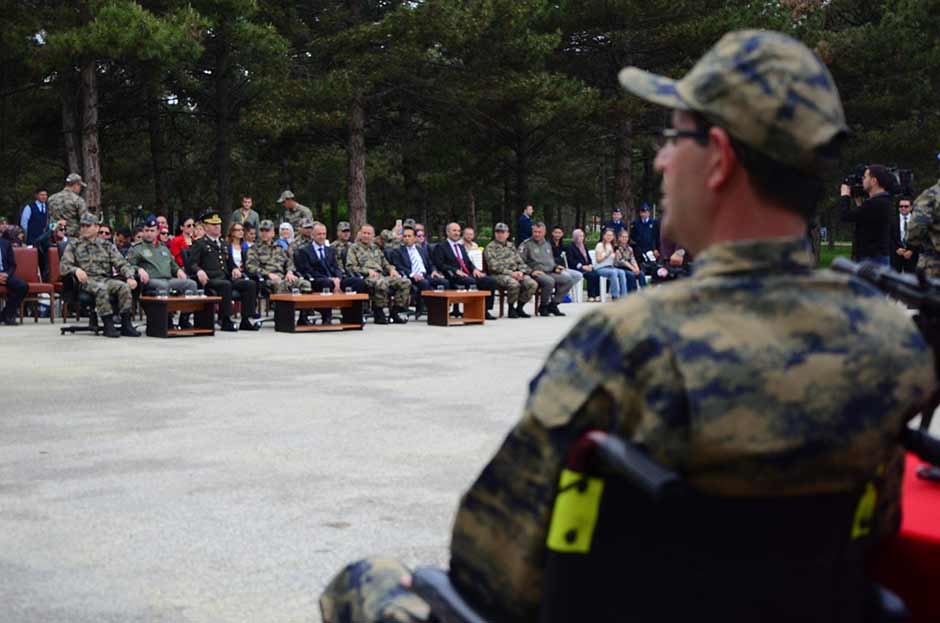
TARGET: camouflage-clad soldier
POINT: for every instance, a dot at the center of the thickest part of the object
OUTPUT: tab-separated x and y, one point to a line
294	212
93	262
504	264
270	262
303	239
341	245
924	230
392	239
758	379
367	260
68	204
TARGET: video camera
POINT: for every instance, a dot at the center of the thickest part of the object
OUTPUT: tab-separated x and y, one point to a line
903	181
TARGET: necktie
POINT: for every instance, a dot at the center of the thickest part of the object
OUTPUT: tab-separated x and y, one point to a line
321	253
463	266
904	230
42	208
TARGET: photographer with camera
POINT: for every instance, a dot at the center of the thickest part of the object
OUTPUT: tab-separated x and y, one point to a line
872	217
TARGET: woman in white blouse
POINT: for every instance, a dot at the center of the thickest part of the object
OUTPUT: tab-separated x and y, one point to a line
604	265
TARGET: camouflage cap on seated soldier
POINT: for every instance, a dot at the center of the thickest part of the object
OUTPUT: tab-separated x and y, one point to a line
89	218
343	226
307	222
501	227
266	224
767	90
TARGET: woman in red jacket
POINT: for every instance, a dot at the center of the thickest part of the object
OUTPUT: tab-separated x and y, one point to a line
183	241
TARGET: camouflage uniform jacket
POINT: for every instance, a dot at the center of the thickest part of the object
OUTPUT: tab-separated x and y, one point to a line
70	206
296	216
924	229
502	259
538	255
98	258
754	377
157	260
360	259
266	258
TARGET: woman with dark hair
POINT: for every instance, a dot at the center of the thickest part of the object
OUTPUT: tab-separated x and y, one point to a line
604	254
184	240
237	247
625	260
579	259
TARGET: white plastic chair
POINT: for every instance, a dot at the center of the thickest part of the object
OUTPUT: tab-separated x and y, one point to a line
603	280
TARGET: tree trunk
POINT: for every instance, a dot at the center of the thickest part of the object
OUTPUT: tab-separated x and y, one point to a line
522	176
90	153
158	152
356	154
472	209
223	139
623	177
579	217
287	180
334	215
507	198
73	143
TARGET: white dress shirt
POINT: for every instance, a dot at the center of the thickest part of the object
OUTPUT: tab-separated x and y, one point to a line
417	264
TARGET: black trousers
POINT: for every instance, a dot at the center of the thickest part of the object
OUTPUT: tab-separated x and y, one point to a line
428	283
356	283
247	291
16	292
593	280
483	283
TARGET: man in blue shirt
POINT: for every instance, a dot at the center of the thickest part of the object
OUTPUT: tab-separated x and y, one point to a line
34	218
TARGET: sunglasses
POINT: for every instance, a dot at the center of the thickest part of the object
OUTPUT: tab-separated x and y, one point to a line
104	234
164	233
188	224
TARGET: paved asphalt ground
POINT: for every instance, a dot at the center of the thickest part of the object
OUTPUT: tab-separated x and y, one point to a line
227	479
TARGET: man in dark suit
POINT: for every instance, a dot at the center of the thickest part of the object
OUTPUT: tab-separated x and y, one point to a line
903	258
209	264
452	261
524	225
15	288
317	263
413	261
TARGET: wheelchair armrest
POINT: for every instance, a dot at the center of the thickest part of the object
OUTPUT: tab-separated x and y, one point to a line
625	460
433	586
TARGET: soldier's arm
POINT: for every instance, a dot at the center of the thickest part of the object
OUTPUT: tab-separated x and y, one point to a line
252	262
352	262
195	259
289	262
926	212
120	263
67	264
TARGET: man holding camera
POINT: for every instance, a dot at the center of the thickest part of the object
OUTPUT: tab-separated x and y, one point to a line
872	217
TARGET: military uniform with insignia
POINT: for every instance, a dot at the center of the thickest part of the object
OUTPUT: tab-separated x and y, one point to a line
340	246
266	258
209	255
161	267
502	260
364	257
294	212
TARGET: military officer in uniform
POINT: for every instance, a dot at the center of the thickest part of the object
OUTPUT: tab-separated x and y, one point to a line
94	262
294	212
367	260
156	267
271	263
208	262
303	239
68	204
506	266
341	245
755	378
923	231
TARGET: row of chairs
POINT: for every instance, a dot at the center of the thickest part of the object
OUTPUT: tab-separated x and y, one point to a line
27	269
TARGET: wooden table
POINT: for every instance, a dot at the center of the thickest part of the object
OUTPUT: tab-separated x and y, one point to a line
158	308
286	304
438	304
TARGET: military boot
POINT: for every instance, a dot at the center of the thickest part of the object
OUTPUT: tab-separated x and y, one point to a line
378	315
127	326
109	330
227	324
512	313
520	311
396	318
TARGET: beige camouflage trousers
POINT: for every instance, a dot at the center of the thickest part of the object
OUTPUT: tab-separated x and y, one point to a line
400	288
519	291
282	287
370	591
103	290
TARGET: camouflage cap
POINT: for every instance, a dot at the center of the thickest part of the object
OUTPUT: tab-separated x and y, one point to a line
89	218
409	222
501	227
266	224
75	178
343	226
284	196
307	222
766	89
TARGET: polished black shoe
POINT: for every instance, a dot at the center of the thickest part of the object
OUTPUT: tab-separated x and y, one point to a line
127	326
326	316
10	321
553	308
185	322
378	316
109	329
228	326
512	313
520	311
490	316
247	325
302	319
545	310
396	318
